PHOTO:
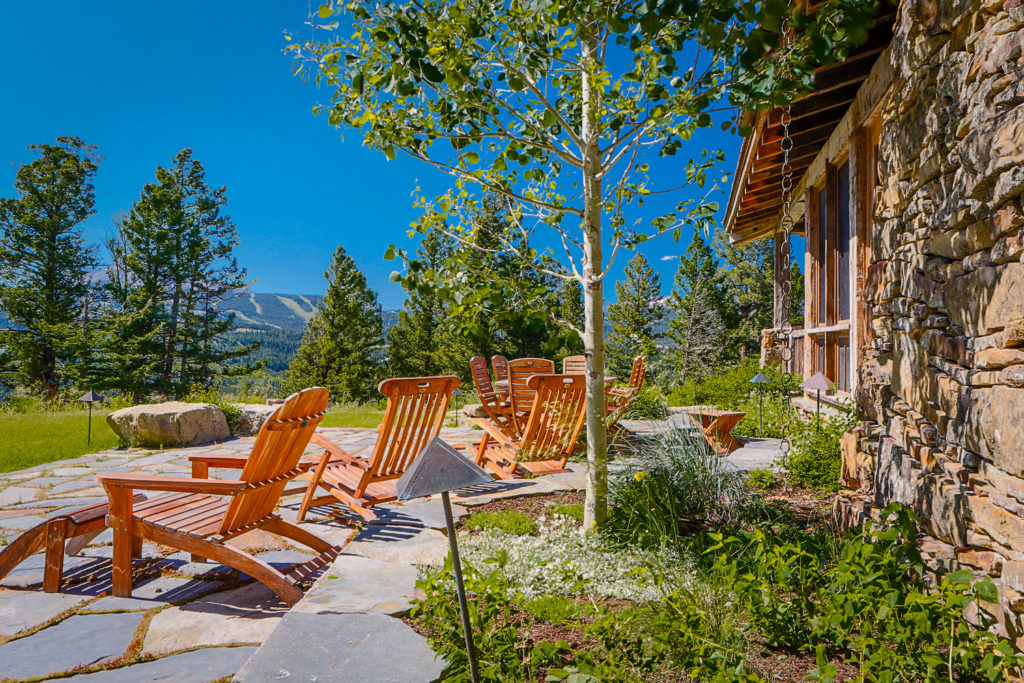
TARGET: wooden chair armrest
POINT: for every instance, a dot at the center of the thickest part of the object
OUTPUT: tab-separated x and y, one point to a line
337	454
180	484
494	432
227	461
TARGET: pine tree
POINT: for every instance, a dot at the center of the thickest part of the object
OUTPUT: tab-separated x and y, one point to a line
697	324
342	342
748	277
171	264
421	343
634	316
44	266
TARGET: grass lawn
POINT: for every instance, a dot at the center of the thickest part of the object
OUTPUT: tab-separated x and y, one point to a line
353	415
28	439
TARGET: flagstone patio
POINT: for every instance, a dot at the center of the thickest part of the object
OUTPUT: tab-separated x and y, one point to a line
194	621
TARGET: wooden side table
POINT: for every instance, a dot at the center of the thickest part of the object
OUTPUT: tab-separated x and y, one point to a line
716	426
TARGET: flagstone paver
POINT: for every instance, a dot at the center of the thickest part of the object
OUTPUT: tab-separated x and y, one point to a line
361	584
414	545
112	604
76	642
21	610
197	666
342	647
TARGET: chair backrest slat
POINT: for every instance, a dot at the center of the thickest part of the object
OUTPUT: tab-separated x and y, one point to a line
490	399
415	414
520	394
556	419
500	365
280	443
574	365
636	378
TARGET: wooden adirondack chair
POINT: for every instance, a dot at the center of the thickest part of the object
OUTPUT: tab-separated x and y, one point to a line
414	415
520	395
500	365
559	407
574	365
202	514
498	411
619	399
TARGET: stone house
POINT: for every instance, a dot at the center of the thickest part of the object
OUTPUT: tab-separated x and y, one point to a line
908	164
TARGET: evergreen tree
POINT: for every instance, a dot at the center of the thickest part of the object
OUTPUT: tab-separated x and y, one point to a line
421	343
172	264
698	305
566	339
341	345
748	276
634	316
44	266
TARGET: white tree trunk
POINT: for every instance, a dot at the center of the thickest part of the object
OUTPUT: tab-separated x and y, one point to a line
595	508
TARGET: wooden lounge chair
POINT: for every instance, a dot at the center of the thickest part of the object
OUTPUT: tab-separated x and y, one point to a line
559	407
498	411
520	395
202	514
500	366
414	415
618	400
574	365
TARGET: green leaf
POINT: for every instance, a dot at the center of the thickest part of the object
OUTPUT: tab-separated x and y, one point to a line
325	11
471	157
389	152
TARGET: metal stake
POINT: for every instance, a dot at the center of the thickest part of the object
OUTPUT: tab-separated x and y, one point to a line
459	587
88	438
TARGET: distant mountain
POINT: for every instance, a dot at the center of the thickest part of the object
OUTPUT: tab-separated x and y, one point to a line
287	312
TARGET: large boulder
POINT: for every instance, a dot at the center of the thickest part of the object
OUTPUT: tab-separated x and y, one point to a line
252	416
173	423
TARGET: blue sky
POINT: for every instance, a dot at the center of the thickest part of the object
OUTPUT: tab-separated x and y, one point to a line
144	80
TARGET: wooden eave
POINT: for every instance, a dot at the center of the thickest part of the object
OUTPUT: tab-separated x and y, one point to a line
755	201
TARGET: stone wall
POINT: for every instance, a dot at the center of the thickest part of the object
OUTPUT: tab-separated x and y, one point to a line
941	388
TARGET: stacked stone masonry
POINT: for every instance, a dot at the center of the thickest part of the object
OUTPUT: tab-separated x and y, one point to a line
941	387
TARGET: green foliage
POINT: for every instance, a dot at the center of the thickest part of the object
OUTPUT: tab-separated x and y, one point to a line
508	521
698	306
571	510
731	390
650	404
172	264
632	318
673	485
874	603
350	414
341	346
815	458
45	291
765	480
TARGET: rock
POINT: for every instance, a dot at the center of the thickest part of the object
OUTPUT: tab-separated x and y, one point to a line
993	359
427	513
114	604
994	426
30	572
20	610
76	642
983	301
173	589
252	417
400	544
474	410
245	615
170	423
343	648
197	666
361	584
17	494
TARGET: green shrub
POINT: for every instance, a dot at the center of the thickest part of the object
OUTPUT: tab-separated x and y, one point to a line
731	390
672	485
649	404
764	480
572	511
815	458
508	521
212	394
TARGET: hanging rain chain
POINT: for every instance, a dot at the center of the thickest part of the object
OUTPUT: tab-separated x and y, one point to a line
785	252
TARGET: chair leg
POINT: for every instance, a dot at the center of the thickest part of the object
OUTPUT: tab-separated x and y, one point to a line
314	482
481	451
297	533
56	535
122	522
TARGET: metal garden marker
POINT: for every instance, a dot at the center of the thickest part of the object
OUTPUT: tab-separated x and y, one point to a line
760	379
817	383
440	469
89	398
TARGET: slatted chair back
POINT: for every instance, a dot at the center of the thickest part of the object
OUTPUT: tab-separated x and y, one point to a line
574	365
275	457
500	365
490	399
636	377
520	394
414	415
559	408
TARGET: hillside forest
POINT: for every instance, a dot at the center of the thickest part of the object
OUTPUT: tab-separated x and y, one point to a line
163	309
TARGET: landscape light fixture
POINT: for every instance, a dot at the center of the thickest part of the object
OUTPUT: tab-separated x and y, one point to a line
89	398
816	383
760	379
440	469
